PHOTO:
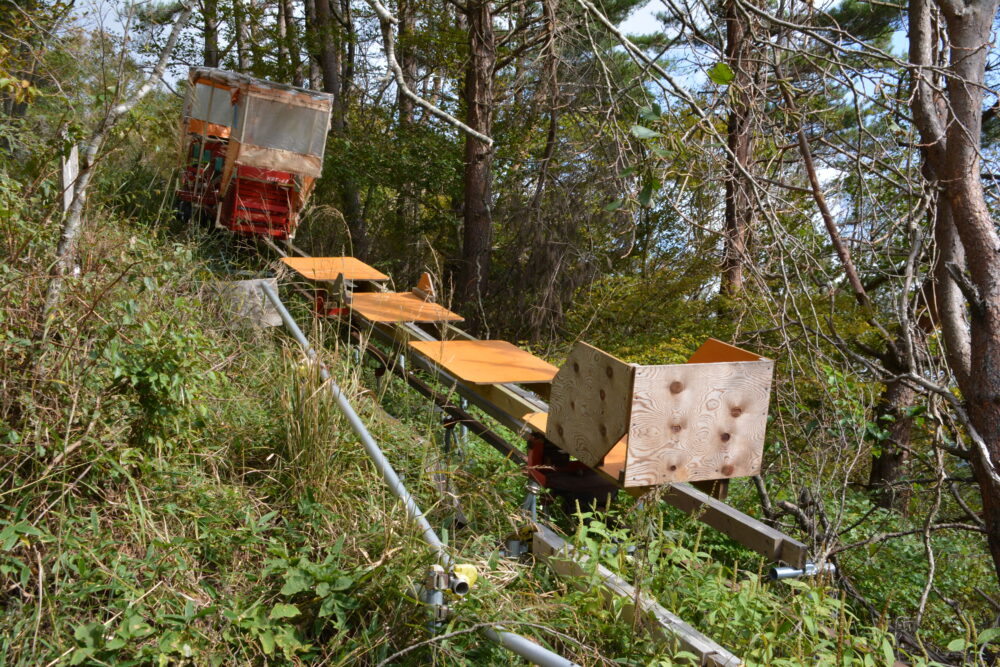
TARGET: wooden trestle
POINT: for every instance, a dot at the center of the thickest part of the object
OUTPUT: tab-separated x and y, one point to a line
422	345
519	409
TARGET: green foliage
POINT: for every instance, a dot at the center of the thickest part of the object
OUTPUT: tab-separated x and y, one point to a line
158	364
789	623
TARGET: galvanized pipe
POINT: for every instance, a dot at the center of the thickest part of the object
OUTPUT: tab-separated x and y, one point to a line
523	646
376	455
527	649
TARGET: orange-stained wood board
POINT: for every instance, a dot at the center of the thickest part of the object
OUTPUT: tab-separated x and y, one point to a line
537	420
331	268
486	361
713	350
614	460
400	307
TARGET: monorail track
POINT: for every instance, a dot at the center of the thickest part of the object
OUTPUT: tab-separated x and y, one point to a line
508	405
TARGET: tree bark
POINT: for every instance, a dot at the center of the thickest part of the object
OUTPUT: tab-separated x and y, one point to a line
745	102
210	12
242	30
889	464
407	63
477	234
952	134
292	41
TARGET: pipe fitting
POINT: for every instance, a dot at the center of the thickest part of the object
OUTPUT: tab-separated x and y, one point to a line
810	570
463	578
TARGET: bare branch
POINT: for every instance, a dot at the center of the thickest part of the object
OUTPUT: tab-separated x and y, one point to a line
387	20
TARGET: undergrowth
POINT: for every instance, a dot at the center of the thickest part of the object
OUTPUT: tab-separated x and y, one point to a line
178	488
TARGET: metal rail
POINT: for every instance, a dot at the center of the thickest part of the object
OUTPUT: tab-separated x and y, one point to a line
376	455
527	649
512	641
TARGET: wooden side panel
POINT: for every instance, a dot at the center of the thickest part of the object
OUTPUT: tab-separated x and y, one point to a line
697	421
589	404
748	531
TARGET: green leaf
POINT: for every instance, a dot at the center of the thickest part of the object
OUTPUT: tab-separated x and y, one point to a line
342	583
284	611
641	132
615	205
267	642
296	581
646	194
89	634
988	635
957	644
887	652
721	74
80	655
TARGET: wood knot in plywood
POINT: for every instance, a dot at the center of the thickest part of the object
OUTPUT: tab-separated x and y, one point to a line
676	387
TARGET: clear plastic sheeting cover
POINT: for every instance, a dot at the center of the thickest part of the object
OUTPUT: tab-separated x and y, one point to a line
275	124
213	105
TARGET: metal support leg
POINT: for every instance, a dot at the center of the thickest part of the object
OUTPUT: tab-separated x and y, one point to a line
530	504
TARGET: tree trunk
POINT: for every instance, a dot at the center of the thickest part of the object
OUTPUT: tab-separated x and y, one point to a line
407	63
284	54
745	101
889	463
210	12
477	236
952	134
312	46
327	52
292	41
241	28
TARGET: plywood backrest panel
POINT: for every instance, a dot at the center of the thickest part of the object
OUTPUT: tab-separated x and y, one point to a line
713	350
697	421
590	402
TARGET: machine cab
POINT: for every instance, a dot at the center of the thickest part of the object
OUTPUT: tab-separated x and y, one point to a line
251	150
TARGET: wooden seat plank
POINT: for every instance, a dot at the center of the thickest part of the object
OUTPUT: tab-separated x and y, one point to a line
486	361
331	268
400	307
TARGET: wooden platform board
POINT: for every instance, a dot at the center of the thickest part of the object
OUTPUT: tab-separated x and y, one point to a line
400	307
331	268
486	361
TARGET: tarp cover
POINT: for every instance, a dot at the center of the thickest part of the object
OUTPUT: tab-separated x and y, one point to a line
212	104
282	126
